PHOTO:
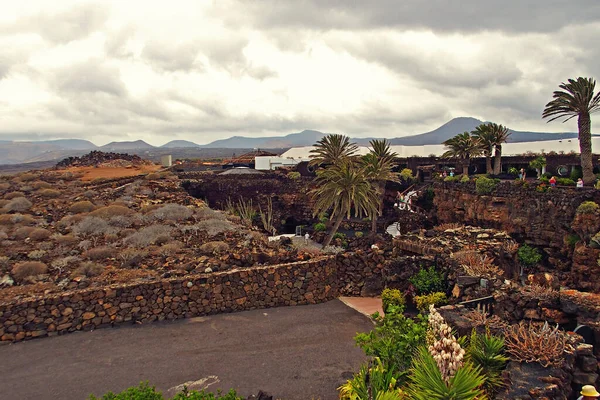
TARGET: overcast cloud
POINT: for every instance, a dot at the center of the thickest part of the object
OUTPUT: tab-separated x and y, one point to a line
205	70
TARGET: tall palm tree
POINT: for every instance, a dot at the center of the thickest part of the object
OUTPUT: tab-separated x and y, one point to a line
378	165
332	149
500	135
341	188
577	99
485	137
463	147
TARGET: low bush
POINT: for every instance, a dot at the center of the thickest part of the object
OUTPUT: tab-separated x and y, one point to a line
358	234
534	342
146	392
83	206
587	207
153	176
49	193
64	262
393	297
428	281
89	269
29	268
319	227
39	234
465	179
171	212
100	253
92	226
571	240
170	248
132	257
529	256
23	232
486	185
18	204
565	182
435	299
27	176
153	234
65	240
41	185
13	195
455	178
217	247
487	352
206	213
214	227
36	254
294	175
111	211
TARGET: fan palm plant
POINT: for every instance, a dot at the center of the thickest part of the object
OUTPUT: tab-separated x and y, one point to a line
332	149
486	141
341	188
577	99
487	352
463	147
378	166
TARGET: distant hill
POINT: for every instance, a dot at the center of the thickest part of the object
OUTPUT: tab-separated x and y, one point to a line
122	146
17	152
179	144
72	144
304	138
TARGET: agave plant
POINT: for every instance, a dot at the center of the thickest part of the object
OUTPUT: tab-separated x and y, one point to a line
427	382
372	382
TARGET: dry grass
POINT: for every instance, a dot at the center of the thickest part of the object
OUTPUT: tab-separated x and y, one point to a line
479	318
446	226
531	342
510	246
539	292
29	268
476	264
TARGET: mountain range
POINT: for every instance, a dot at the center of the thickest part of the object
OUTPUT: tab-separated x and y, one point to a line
13	152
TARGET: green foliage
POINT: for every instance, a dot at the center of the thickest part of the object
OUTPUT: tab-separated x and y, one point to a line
436	298
513	171
571	239
486	185
428	281
376	378
538	163
487	352
464	179
393	297
426	200
394	340
587	207
145	392
541	188
319	227
293	175
565	182
451	178
529	256
406	175
426	382
576	174
358	234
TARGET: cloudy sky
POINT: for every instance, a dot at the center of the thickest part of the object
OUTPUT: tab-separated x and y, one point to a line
204	70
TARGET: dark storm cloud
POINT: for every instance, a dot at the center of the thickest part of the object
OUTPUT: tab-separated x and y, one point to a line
75	23
436	15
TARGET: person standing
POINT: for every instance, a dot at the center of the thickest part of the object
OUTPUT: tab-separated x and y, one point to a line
552	181
588	392
306	238
522	174
579	183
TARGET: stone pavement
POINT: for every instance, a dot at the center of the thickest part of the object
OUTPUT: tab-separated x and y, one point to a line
364	305
301	352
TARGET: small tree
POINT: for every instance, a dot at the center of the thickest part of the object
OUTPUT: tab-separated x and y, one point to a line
538	164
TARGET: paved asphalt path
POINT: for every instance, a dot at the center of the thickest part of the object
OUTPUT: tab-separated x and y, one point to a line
302	352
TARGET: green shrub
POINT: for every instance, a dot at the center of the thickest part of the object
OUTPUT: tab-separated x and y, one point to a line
576	174
451	178
406	175
565	182
146	392
319	227
393	297
436	299
545	179
371	382
428	281
465	179
358	234
513	171
487	352
529	256
571	240
485	185
587	207
293	175
394	340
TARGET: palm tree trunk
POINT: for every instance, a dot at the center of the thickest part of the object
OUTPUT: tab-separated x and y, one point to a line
585	146
498	160
465	167
488	163
381	191
336	226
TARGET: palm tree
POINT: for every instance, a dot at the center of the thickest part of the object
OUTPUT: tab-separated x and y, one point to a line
499	134
463	147
332	149
378	166
577	99
486	141
340	188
